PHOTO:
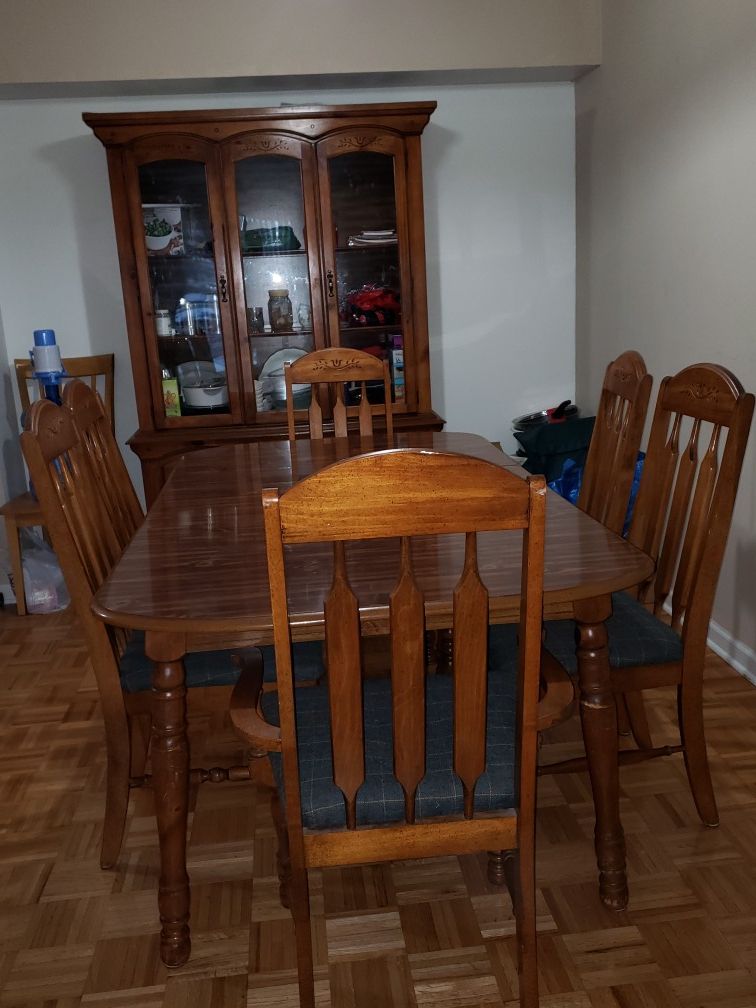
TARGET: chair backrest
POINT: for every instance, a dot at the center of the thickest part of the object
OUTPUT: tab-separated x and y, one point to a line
98	371
403	494
333	367
687	493
610	464
79	523
112	479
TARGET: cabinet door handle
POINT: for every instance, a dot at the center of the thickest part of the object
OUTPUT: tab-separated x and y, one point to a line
331	289
223	287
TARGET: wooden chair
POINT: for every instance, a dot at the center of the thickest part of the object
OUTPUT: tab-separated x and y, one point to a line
89	516
24	511
616	438
324	753
682	517
332	368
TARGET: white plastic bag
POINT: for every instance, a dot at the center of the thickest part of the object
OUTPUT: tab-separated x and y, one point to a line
44	585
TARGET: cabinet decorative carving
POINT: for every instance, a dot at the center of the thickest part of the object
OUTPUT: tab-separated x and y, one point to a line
248	237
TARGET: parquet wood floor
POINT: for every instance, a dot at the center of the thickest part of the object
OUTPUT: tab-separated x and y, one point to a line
421	934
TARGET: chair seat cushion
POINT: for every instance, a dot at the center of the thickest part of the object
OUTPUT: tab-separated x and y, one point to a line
308	661
203	668
380	799
636	637
214	668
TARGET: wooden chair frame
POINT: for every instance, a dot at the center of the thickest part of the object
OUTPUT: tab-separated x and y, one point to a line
620	418
331	368
411	493
91	511
24	511
682	518
87	369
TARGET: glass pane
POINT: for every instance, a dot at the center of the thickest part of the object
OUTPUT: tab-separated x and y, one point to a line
273	242
181	264
363	202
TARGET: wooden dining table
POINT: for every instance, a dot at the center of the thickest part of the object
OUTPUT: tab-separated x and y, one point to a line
195	577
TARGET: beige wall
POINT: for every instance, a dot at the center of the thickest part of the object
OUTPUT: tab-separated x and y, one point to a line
109	40
666	223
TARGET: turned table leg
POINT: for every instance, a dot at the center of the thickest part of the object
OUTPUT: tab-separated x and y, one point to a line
598	714
170	778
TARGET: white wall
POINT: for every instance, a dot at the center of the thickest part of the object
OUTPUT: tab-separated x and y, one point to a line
666	150
109	40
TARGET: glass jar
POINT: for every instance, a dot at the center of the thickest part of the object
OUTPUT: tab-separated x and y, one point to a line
280	312
163	322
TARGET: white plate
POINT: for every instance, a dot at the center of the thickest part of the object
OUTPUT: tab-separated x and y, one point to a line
274	365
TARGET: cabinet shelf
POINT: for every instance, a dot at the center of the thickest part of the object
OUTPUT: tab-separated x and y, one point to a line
156	257
363	248
375	330
273	254
282	333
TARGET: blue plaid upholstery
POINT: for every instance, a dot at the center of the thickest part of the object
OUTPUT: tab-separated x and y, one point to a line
214	668
308	661
380	799
636	637
204	668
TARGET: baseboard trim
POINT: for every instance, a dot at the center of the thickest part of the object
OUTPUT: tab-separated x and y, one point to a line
740	656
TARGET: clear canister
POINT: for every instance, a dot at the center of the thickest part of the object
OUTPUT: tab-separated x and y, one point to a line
280	312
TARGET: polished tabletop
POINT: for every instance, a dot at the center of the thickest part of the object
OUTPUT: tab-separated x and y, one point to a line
198	562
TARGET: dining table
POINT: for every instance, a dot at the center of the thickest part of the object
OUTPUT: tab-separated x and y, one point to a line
194	578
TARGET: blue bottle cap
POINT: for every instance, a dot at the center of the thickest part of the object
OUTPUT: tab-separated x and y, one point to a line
44	337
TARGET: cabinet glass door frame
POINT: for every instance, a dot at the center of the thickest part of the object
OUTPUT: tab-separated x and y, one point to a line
380	141
170	147
264	144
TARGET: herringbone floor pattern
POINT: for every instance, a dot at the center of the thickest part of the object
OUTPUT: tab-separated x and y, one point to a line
412	934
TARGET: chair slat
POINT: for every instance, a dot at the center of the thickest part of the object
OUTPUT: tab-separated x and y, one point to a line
470	674
78	499
364	412
112	483
697	527
407	619
314	415
345	685
339	412
652	507
678	512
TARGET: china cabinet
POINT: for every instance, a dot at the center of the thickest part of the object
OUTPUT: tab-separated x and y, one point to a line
249	237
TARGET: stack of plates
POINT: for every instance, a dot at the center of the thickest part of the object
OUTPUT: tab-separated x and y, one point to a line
373	238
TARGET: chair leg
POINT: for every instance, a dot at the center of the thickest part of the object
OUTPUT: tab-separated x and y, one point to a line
12	533
140	731
690	713
116	807
283	861
638	722
623	718
118	748
523	873
300	911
